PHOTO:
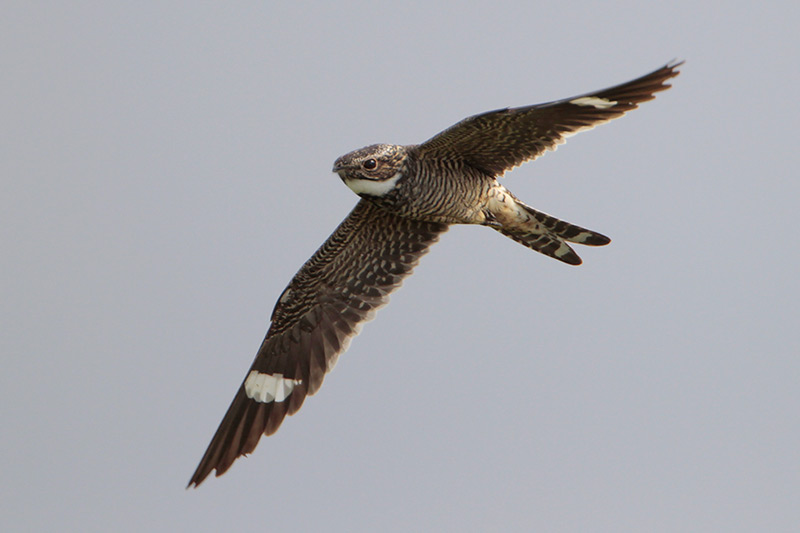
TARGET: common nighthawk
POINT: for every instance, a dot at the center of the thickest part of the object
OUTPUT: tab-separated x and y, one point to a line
409	196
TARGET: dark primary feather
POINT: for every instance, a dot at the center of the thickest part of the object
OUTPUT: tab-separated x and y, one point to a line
499	140
338	289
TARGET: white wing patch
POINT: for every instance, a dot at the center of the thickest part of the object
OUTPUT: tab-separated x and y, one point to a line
599	103
373	187
265	388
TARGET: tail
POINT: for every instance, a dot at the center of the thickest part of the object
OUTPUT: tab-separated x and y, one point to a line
552	236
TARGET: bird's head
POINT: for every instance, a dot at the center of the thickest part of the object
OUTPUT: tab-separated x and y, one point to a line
372	170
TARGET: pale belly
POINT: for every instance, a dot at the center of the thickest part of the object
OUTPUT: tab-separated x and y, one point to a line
508	212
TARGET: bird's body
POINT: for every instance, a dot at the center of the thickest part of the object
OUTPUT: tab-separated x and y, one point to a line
409	196
452	191
419	188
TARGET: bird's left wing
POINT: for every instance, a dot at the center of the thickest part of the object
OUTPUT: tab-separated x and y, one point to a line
324	306
497	141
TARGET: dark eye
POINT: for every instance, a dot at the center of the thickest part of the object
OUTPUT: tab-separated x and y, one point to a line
370	164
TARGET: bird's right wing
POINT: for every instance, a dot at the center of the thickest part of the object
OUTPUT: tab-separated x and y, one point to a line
497	141
322	308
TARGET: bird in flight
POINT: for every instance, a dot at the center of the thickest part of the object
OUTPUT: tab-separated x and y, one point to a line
409	196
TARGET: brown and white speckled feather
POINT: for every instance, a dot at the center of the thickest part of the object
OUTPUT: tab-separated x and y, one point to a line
498	141
331	296
552	240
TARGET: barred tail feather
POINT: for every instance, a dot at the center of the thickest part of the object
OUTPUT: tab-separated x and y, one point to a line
545	243
566	231
553	241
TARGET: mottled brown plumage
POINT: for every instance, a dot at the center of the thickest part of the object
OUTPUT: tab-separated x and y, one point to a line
500	140
410	195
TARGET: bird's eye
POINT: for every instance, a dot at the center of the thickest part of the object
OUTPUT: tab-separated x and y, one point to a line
370	164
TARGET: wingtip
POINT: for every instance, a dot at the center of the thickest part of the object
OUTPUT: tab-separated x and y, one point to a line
675	63
195	481
200	476
672	69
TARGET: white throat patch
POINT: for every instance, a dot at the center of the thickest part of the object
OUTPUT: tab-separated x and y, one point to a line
372	187
265	388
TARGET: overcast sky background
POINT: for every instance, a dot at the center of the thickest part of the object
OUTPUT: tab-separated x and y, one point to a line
165	169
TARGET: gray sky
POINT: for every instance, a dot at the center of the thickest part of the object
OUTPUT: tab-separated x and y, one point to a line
165	169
